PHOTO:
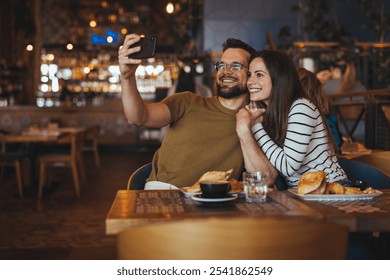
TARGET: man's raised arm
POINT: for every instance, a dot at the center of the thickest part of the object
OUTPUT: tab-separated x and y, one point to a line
136	111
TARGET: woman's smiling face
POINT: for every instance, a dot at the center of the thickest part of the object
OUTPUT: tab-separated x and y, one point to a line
259	81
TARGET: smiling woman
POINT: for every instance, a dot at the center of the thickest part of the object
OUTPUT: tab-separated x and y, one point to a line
291	132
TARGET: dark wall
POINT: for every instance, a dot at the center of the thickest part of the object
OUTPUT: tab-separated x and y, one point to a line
250	20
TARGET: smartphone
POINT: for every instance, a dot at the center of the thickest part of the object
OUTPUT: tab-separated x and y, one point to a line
148	47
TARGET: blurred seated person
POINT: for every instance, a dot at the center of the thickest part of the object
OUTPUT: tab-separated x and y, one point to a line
340	78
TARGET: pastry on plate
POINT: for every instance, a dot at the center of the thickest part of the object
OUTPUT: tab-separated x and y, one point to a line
210	176
236	186
312	183
335	188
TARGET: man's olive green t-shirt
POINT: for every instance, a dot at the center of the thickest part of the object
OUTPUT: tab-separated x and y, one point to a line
202	137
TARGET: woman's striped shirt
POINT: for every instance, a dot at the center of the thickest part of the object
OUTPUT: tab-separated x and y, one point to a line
305	148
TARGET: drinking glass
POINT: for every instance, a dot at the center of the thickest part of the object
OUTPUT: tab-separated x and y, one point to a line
256	185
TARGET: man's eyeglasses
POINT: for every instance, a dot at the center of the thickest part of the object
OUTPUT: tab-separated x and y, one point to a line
234	66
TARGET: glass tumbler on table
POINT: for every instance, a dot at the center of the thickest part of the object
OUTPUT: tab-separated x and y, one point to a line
256	186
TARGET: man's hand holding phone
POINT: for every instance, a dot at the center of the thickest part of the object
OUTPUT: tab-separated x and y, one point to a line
148	47
133	50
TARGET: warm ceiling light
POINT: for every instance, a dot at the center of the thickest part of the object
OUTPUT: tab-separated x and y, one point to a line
104	4
170	8
134	19
187	68
29	48
199	68
93	23
50	57
110	39
86	70
124	31
69	46
112	18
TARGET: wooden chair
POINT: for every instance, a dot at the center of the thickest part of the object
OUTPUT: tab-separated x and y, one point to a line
235	239
91	142
281	183
15	159
72	159
138	178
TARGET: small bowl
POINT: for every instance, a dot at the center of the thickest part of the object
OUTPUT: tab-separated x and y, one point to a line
214	189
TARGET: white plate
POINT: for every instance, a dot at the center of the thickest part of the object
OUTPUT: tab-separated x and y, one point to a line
198	197
329	197
184	190
189	194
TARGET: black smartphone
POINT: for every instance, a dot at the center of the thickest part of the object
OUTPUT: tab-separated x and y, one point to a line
148	47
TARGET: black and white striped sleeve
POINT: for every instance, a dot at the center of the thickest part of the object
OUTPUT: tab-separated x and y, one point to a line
302	120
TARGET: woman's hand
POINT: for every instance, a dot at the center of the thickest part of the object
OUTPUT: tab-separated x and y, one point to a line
127	66
248	117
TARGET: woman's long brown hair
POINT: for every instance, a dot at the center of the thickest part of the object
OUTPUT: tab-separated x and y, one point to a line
286	88
313	87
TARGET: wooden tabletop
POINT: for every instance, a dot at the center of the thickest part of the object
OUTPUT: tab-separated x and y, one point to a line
132	208
380	160
372	215
29	138
42	135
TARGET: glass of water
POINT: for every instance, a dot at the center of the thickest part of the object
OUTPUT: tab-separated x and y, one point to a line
256	185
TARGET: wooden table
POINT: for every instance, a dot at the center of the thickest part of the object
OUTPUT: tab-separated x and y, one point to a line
34	139
43	135
132	208
380	160
371	215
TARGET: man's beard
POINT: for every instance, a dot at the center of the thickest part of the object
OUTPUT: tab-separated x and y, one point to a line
231	92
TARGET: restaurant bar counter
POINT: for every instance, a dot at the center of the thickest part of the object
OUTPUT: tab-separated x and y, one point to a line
114	128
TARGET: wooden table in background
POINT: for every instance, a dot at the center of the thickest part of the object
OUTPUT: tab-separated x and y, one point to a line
380	160
34	140
43	136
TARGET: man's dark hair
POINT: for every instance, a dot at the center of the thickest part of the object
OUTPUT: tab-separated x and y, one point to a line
237	44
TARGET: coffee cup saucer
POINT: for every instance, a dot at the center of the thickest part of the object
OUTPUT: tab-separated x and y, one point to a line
200	198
